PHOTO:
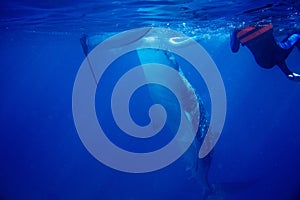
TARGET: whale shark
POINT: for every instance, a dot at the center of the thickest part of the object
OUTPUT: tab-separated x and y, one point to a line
192	104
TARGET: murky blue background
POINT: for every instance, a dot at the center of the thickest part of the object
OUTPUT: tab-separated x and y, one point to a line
42	157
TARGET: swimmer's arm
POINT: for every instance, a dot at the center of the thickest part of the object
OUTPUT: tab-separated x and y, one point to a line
290	75
234	42
284	68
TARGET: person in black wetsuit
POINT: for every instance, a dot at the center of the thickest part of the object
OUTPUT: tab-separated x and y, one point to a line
267	52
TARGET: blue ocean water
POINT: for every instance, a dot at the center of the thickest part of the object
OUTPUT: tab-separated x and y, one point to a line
42	156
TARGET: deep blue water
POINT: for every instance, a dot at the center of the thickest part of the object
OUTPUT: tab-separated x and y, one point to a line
42	157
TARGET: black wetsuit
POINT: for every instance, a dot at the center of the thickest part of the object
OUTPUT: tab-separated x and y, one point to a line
261	42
